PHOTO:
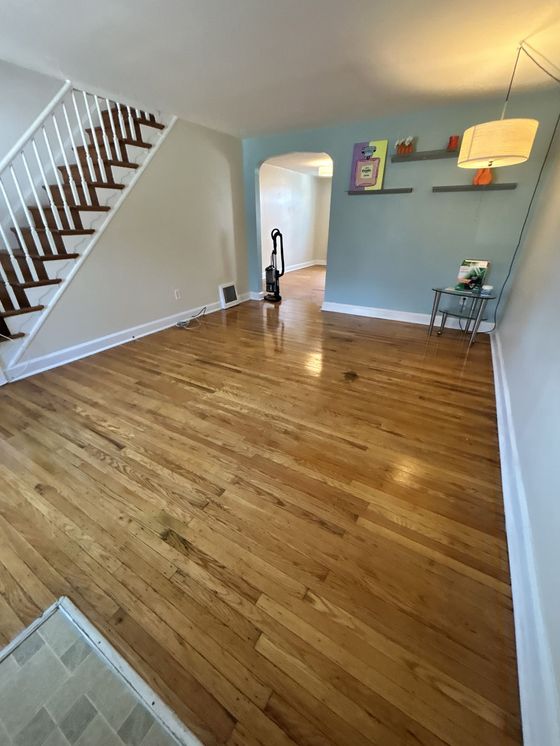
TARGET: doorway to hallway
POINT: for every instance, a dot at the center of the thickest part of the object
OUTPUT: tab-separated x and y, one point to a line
295	197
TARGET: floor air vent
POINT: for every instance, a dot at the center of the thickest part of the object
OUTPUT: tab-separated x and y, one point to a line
228	295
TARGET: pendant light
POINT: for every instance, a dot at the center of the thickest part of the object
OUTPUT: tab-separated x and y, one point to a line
503	142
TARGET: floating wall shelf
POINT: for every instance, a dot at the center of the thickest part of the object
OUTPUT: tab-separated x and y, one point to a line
399	190
426	155
474	188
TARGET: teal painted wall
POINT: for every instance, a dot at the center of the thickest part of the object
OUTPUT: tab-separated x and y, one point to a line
389	251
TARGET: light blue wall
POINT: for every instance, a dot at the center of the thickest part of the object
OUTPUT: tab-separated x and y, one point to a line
389	251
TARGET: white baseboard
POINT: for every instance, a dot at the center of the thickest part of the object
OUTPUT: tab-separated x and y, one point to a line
256	296
84	349
540	697
393	315
304	265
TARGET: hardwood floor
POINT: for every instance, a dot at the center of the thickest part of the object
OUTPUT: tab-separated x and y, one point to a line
290	522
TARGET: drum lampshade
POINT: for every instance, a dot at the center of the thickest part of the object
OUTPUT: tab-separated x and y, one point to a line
503	142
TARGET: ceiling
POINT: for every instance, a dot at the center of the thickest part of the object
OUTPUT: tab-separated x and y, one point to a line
303	163
255	66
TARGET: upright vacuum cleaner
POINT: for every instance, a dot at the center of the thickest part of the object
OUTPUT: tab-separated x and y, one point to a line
273	274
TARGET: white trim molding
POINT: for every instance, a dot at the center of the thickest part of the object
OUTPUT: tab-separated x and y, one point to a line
91	347
303	265
393	315
540	697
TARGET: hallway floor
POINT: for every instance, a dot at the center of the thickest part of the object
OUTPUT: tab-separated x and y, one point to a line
290	522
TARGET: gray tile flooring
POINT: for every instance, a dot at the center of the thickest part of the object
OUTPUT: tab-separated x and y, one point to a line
57	690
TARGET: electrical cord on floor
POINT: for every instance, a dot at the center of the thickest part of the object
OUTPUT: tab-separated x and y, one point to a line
533	195
194	321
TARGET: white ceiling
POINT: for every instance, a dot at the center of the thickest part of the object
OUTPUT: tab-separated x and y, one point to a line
303	163
252	66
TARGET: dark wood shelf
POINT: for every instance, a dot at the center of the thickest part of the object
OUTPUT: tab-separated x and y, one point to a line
399	190
425	155
473	188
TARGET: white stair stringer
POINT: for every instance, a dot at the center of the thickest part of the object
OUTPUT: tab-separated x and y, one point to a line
48	296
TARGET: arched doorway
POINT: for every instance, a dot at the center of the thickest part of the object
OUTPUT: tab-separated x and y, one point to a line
295	196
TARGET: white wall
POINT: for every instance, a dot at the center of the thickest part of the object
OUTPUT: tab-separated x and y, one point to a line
24	95
298	204
529	335
323	189
180	227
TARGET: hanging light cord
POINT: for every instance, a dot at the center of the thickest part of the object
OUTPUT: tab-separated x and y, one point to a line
538	64
519	48
534	194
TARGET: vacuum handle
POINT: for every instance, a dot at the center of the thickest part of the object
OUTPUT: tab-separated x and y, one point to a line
276	234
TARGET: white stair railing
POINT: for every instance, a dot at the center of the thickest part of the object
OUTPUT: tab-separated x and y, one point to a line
49	175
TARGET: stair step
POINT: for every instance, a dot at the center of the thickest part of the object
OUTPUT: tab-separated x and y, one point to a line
58	231
19	335
122	140
19	311
148	123
107	161
86	208
35	284
48	257
97	181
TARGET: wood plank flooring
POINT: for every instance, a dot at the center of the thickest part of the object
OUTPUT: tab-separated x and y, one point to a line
290	522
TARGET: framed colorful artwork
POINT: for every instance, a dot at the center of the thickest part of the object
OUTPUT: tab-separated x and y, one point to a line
368	165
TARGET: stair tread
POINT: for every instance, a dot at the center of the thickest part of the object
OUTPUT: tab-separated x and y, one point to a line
86	208
120	138
35	284
139	120
60	231
19	311
3	336
48	257
108	161
157	125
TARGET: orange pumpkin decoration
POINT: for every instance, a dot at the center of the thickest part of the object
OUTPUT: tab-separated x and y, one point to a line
483	177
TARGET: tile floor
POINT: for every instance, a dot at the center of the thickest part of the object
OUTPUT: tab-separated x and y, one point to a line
57	690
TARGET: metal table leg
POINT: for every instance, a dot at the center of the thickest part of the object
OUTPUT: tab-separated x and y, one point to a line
471	315
435	307
442	325
481	307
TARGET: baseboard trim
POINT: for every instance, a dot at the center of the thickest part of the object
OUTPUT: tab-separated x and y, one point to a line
85	349
540	698
393	315
303	265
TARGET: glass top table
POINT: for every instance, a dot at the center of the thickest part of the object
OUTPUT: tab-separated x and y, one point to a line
468	305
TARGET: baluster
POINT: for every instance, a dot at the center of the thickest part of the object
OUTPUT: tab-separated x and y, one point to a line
138	113
48	230
78	159
114	131
72	183
47	186
83	137
131	124
30	223
104	135
100	160
121	122
24	249
61	189
8	285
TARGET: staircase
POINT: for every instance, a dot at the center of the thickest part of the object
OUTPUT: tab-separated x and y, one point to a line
57	191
